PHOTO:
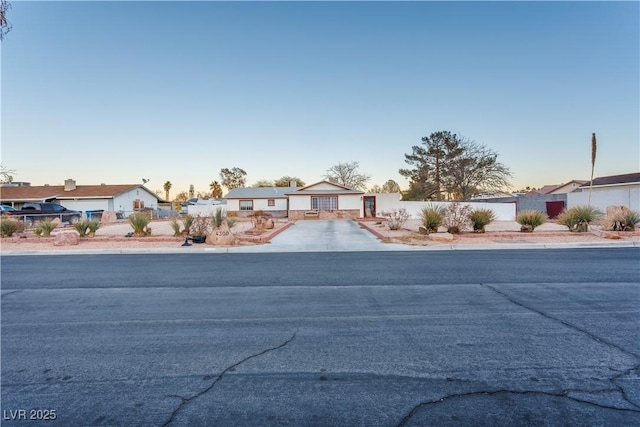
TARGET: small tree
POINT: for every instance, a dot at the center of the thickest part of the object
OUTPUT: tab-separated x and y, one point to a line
216	189
263	183
233	178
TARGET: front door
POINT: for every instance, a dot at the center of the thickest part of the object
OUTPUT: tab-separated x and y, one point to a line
369	206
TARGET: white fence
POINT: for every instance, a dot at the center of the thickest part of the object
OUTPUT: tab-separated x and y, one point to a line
601	199
206	210
503	211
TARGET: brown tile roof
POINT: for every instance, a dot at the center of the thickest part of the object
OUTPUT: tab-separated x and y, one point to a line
628	178
34	193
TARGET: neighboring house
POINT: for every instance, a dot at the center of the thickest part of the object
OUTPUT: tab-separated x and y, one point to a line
245	202
613	190
126	198
326	200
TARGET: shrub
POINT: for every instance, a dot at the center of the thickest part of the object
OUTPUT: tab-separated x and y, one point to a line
231	222
456	217
187	222
620	219
395	218
578	218
432	216
10	226
481	218
531	219
175	226
217	219
92	226
139	223
201	226
81	227
44	227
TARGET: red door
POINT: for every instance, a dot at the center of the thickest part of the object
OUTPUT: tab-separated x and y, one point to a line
554	208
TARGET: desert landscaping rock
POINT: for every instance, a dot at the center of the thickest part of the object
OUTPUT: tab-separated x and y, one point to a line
66	238
221	236
441	237
108	217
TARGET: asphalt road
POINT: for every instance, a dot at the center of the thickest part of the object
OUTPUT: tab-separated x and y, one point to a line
541	337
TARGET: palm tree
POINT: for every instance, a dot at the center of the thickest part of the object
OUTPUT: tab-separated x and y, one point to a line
216	189
167	187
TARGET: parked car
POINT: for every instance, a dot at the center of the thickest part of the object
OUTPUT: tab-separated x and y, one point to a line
6	208
32	212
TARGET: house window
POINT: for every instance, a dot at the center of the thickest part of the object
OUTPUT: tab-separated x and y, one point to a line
324	203
271	202
138	204
246	205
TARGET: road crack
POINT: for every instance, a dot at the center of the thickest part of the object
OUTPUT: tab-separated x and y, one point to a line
562	394
564	322
186	401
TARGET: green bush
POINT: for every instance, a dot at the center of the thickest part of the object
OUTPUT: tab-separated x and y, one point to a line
621	219
187	222
81	227
231	222
44	227
93	225
139	223
578	218
481	218
395	218
175	226
10	226
531	219
217	219
431	217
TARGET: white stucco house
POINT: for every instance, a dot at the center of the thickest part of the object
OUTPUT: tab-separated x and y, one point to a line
323	199
245	202
125	198
614	190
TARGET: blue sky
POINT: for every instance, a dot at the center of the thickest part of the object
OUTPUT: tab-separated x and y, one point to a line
119	91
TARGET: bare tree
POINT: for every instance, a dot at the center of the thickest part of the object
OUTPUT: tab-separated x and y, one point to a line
233	178
6	174
347	174
5	25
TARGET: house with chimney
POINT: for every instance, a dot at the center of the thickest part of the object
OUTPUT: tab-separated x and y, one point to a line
123	198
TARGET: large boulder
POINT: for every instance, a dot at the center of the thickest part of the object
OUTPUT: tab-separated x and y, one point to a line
66	238
268	224
221	236
108	217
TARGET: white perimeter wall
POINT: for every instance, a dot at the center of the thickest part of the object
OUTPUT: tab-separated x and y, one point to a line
601	199
503	211
206	210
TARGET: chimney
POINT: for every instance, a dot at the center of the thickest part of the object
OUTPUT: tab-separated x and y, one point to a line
292	183
69	184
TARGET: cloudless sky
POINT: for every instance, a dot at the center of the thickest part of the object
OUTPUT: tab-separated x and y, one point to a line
113	92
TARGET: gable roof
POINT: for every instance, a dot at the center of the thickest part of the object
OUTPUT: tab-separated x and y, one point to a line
49	192
337	189
260	193
629	178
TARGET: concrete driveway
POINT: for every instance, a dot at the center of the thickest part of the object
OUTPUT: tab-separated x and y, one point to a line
331	235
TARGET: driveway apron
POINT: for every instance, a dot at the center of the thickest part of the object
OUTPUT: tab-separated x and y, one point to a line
329	235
